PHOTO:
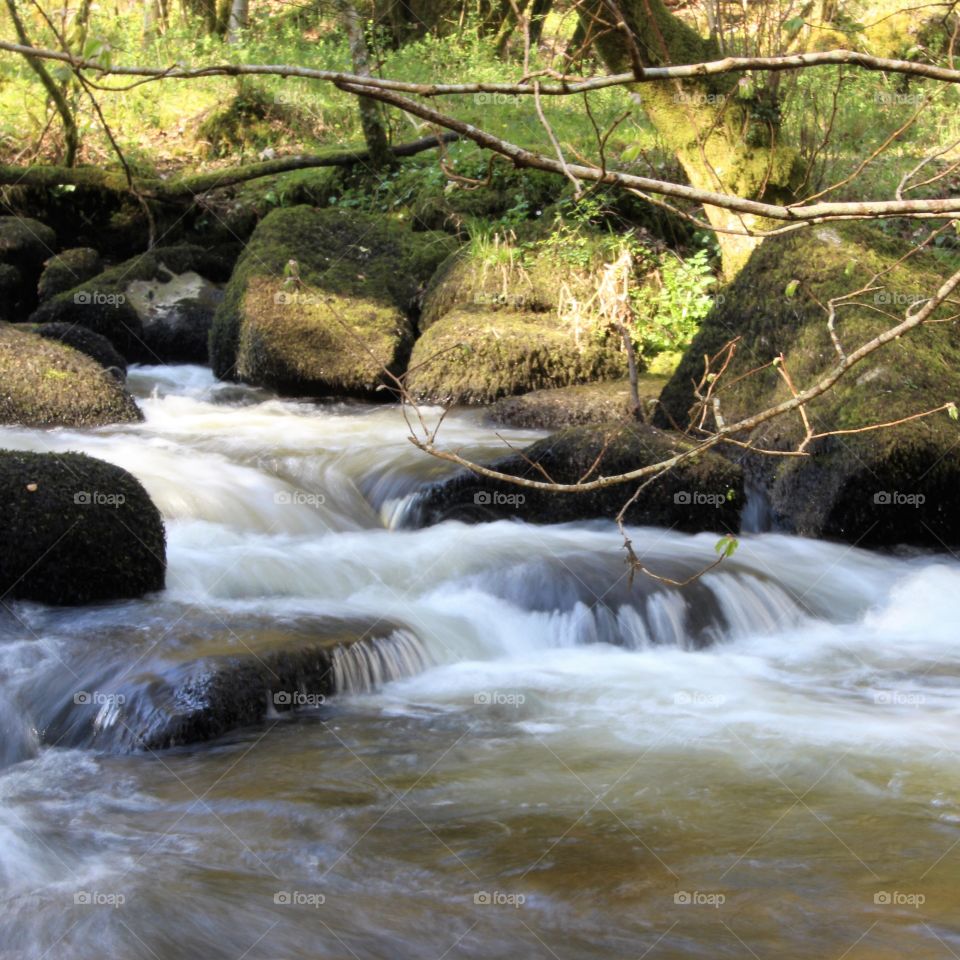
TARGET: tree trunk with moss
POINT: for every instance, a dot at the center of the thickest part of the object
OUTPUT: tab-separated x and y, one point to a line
725	132
373	130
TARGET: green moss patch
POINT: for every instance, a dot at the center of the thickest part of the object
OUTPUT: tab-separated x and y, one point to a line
44	383
774	307
329	322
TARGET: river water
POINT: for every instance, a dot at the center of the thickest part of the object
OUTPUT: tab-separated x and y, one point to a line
567	766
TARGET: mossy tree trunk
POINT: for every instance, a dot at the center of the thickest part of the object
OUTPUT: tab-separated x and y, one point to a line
724	133
373	129
70	135
239	15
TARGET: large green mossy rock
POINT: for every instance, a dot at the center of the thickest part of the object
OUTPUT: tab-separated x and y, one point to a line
332	322
501	319
887	486
112	303
67	270
44	383
76	530
705	493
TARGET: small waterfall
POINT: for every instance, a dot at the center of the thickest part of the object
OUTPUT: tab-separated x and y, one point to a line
370	663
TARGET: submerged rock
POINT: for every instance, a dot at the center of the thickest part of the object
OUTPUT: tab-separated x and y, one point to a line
44	383
76	530
889	486
320	302
242	676
701	494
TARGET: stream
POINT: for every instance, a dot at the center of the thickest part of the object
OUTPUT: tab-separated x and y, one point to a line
550	761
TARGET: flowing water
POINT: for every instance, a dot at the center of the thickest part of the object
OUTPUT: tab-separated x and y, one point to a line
537	760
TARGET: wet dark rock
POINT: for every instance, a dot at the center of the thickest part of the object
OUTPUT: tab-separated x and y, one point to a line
701	494
76	530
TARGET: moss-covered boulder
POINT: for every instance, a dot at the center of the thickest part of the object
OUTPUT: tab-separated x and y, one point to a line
895	485
67	270
112	303
76	530
25	244
44	383
503	317
705	493
578	405
330	322
85	341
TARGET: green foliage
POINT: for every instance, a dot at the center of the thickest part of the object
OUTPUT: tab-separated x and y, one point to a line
669	317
